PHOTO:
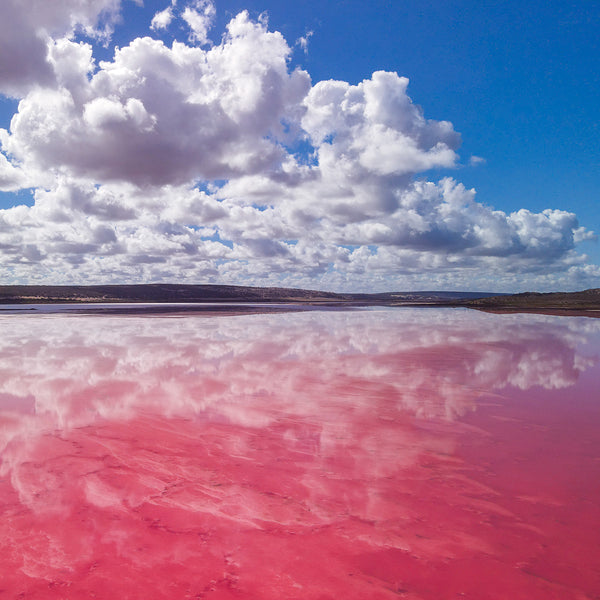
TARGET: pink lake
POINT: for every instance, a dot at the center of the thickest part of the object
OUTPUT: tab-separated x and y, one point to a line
421	454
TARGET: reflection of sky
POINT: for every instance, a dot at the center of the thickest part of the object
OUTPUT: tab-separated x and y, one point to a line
247	424
432	365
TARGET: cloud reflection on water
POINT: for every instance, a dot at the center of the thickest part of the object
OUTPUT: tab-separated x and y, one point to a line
433	363
254	423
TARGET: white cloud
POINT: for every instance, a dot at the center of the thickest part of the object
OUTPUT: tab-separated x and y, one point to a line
12	178
27	27
120	232
199	16
162	19
115	149
157	115
303	41
375	128
476	160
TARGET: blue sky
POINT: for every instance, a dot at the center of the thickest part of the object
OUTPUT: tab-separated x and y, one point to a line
518	81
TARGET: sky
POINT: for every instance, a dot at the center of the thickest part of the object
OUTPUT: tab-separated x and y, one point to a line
349	145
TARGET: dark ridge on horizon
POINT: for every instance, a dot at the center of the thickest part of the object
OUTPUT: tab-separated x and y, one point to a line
174	293
586	302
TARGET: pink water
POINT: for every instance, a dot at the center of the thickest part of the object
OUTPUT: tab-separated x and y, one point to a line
414	454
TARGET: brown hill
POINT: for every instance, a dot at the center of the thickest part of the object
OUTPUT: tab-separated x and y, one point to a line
19	294
586	301
172	293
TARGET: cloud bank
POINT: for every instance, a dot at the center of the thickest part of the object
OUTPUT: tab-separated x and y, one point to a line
204	160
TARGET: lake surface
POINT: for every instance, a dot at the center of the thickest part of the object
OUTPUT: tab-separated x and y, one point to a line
388	453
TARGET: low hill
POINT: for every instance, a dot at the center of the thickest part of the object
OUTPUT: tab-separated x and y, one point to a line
556	302
155	293
40	294
587	301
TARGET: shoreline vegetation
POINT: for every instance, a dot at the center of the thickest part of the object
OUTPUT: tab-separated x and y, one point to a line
586	303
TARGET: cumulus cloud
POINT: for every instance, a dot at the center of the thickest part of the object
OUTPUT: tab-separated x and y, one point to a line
199	16
157	115
11	177
374	127
222	161
162	19
27	27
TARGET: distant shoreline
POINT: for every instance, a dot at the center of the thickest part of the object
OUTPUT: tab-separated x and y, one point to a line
556	312
205	299
234	309
175	293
